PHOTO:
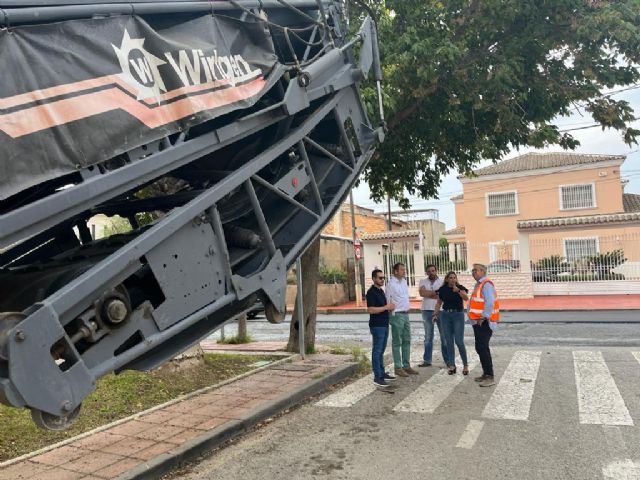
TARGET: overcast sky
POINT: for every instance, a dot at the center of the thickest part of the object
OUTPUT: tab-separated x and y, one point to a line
592	140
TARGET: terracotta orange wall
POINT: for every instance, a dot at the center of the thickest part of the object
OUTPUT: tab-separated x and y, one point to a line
537	196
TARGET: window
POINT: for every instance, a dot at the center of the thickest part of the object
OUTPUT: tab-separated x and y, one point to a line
577	196
577	248
502	203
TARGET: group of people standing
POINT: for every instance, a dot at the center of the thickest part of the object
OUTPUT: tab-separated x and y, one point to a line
442	306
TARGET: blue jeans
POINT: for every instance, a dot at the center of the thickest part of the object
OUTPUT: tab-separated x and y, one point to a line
453	326
427	321
379	336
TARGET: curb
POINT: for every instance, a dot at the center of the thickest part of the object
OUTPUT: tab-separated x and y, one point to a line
163	464
355	311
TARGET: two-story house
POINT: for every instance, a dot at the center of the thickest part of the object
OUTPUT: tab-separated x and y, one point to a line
541	204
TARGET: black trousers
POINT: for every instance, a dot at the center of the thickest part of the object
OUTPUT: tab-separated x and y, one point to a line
482	334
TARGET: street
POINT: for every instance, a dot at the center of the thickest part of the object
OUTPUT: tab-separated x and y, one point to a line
566	406
556	413
612	328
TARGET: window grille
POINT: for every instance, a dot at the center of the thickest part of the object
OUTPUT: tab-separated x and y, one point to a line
501	204
577	196
577	248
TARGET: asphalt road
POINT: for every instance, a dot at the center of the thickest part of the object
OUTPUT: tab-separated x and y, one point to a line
557	413
612	328
566	406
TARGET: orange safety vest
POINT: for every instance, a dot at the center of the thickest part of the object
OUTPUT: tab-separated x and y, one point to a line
476	304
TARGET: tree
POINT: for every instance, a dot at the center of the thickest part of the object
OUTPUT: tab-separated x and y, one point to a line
469	80
309	263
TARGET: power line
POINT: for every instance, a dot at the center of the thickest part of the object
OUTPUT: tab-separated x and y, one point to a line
591	126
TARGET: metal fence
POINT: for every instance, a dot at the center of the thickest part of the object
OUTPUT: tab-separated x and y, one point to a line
572	258
585	258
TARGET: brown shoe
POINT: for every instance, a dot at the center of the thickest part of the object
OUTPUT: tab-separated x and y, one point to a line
411	371
480	378
488	382
401	373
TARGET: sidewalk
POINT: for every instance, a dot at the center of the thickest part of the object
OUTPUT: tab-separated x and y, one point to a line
540	303
151	443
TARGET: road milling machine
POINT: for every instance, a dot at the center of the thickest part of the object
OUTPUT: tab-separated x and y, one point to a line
225	134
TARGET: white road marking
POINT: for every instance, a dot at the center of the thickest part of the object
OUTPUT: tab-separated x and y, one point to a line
356	391
637	355
470	434
622	470
349	395
511	399
599	400
428	396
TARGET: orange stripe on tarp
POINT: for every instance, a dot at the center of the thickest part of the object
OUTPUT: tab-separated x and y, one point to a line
66	89
77	87
42	117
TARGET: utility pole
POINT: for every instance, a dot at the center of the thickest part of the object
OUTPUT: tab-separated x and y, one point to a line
356	258
389	211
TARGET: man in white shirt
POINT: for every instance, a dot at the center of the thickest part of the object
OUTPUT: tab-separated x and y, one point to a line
398	294
428	287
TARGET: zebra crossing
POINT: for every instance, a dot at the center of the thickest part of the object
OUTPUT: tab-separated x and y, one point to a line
598	402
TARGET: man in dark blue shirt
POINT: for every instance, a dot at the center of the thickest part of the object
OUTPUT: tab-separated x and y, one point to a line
378	309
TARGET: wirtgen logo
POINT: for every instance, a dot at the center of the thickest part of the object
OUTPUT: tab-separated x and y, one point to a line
141	69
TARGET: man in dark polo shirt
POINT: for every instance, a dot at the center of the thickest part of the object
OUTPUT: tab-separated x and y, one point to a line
378	309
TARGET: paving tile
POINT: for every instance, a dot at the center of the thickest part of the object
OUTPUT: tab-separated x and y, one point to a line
183	436
58	473
209	410
254	403
130	428
159	416
59	455
212	423
118	468
128	445
182	407
234	413
97	441
187	420
160	432
93	462
154	451
22	470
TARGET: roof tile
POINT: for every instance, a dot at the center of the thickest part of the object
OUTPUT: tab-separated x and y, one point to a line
631	202
539	160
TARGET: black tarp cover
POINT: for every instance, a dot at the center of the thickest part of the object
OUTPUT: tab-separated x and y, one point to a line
79	92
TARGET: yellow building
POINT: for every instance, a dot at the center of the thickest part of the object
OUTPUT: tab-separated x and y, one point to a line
538	205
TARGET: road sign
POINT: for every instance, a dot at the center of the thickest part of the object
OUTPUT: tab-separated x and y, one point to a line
357	251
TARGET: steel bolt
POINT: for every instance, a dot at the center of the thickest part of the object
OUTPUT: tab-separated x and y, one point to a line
212	251
20	336
116	310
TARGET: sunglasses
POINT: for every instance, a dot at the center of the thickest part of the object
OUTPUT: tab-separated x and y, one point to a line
379	278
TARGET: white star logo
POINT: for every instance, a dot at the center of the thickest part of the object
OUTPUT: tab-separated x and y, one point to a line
140	68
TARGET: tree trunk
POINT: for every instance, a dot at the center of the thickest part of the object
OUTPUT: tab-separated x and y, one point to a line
309	263
242	326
